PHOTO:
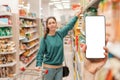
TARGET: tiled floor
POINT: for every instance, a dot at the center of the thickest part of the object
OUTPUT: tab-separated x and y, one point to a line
68	59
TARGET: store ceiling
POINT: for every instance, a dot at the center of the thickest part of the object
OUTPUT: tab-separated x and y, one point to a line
72	1
60	4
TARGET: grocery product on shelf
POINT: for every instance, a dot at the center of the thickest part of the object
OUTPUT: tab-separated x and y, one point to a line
5	19
6	58
6	72
26	60
26	46
6	45
27	23
5	31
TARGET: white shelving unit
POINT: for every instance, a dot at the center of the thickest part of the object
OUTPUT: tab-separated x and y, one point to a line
30	40
32	31
32	52
26	65
6	78
5	14
21	52
4	37
8	64
25	17
29	26
21	38
8	52
5	40
30	61
5	25
33	45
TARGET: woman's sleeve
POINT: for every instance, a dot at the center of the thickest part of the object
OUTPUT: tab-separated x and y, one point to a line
40	54
64	31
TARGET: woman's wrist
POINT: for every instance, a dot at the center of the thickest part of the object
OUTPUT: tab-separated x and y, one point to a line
88	75
77	15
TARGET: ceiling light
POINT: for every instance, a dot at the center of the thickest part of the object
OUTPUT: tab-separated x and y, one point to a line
66	5
59	6
51	3
55	0
65	1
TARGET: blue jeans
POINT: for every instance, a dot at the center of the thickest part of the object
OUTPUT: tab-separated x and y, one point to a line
54	74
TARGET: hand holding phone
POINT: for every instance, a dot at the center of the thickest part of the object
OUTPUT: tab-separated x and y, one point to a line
95	36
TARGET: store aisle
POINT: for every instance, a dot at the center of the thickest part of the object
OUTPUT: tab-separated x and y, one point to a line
69	61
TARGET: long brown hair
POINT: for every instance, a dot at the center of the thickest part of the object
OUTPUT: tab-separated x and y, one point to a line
47	29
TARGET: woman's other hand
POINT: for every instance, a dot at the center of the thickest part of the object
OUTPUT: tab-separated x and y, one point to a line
37	68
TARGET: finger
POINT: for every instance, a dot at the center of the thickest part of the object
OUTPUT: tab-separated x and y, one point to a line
106	53
106	49
106	41
83	47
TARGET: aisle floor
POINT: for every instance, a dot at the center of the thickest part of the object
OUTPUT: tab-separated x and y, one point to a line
68	59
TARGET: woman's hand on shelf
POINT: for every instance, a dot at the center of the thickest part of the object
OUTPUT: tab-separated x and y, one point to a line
80	11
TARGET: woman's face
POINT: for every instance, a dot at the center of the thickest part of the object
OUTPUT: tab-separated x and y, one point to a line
52	24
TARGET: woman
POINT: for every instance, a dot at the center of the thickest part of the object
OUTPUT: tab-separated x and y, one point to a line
51	53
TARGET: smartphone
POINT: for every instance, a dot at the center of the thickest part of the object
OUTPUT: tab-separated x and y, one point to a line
95	36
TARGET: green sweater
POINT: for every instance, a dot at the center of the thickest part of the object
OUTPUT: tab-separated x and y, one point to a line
51	49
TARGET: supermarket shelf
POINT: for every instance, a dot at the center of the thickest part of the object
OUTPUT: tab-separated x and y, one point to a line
5	37
21	52
83	32
7	65
32	52
5	25
21	38
24	17
6	78
30	61
8	52
29	26
79	28
92	2
33	45
30	40
5	14
31	32
25	65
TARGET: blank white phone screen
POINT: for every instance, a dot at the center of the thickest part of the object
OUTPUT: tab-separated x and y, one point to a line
95	36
